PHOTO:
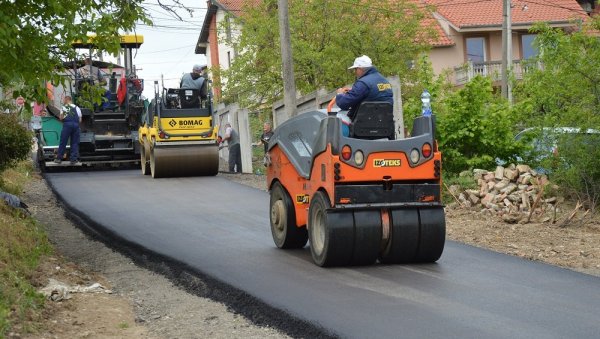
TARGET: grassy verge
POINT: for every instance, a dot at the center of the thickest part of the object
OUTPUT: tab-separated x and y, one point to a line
22	243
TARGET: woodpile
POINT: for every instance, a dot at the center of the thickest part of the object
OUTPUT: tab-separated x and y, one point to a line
515	193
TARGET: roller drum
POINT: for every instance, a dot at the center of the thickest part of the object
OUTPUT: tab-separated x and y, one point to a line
184	160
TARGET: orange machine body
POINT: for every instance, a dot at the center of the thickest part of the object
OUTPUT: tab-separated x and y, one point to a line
385	178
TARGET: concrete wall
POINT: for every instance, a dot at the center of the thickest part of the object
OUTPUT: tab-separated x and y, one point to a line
313	101
238	118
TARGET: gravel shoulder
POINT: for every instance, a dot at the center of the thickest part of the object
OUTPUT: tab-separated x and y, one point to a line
144	304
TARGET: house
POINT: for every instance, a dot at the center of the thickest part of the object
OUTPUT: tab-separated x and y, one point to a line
469	32
475	28
218	54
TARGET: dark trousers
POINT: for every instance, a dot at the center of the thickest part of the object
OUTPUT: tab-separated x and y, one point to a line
235	159
70	130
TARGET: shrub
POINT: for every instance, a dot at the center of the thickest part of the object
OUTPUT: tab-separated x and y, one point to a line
475	127
576	168
15	141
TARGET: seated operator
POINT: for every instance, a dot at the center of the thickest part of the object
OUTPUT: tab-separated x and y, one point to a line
195	80
88	71
370	85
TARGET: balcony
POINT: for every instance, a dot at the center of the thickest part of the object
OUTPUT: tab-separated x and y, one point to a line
493	69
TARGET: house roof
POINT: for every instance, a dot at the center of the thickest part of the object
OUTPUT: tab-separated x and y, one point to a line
464	14
231	6
441	39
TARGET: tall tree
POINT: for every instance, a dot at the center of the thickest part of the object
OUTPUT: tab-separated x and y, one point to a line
36	36
326	37
562	86
565	92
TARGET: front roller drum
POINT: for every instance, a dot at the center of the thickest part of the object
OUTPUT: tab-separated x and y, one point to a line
367	237
433	234
331	233
181	161
342	237
416	235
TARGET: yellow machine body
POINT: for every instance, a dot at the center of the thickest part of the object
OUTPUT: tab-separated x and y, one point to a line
178	141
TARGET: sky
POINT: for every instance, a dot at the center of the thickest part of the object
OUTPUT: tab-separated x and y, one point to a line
169	46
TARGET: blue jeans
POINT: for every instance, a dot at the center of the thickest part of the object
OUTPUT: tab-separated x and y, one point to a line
70	130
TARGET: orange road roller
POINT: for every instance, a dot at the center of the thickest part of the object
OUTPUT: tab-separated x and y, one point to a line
360	198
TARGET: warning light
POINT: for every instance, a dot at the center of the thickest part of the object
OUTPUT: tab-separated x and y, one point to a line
346	152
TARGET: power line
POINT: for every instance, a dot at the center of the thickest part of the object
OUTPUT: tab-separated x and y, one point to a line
170	49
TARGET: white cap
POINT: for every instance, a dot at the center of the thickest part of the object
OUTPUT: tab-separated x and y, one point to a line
199	67
362	62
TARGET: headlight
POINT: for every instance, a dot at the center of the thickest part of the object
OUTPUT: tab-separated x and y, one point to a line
359	157
414	155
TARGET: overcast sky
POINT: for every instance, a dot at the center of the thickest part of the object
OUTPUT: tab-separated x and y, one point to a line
169	46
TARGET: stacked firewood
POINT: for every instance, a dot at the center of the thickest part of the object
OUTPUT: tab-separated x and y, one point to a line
515	193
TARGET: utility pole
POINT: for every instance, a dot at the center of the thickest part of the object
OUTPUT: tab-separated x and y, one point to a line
506	50
289	83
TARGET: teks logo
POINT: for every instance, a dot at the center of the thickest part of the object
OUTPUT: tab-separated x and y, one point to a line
386	162
302	199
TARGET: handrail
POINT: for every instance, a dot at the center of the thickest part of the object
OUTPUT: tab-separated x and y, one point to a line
330	106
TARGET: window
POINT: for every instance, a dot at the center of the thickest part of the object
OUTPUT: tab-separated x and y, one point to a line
476	49
529	50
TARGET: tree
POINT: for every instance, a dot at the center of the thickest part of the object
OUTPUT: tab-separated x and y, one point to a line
565	92
326	37
36	36
475	127
566	89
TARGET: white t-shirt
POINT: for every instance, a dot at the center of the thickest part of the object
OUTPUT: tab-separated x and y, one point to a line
67	110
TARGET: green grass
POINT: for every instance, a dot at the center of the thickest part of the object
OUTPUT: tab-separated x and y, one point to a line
123	326
22	244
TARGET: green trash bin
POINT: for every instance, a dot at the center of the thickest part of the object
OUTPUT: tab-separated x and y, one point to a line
51	129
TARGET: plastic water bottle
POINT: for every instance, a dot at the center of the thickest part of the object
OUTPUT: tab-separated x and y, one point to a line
426	100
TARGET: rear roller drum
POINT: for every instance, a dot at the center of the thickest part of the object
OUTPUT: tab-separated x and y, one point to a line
367	237
153	168
404	237
433	234
331	233
283	220
184	160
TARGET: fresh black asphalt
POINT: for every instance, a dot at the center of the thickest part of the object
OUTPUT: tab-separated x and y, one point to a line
221	229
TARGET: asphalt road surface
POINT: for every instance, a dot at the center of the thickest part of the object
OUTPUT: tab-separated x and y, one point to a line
222	229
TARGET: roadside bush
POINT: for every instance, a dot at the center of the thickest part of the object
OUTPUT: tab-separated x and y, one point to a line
15	141
576	168
475	128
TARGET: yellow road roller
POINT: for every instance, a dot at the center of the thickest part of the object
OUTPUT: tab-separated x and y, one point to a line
178	136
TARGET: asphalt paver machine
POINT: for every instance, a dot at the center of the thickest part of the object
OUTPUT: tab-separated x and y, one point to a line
109	129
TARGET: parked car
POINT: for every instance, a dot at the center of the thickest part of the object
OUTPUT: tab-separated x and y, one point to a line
545	145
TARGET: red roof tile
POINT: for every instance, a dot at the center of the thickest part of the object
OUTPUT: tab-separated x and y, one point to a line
441	39
473	13
236	6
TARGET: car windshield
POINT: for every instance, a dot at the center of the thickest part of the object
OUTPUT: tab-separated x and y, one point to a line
547	143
